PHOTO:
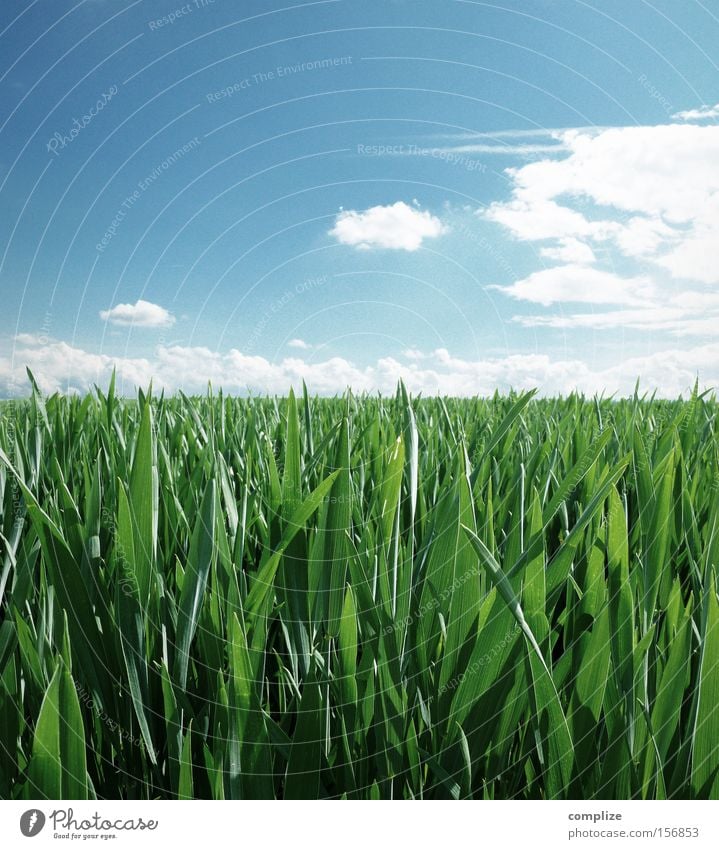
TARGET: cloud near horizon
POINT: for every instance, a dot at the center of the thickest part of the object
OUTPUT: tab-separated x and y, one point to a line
703	113
60	367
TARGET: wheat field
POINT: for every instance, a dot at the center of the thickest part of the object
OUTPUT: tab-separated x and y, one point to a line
385	598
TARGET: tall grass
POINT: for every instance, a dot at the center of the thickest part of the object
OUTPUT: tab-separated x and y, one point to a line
365	598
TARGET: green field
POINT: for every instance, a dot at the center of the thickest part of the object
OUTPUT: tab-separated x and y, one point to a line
398	598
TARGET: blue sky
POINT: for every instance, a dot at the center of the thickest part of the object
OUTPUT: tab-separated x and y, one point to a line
468	195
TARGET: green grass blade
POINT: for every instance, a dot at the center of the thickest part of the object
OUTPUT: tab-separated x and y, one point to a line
201	556
58	768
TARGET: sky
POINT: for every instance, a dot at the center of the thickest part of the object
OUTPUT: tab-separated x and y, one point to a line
469	196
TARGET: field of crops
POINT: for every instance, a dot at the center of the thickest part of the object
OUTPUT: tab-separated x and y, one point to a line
367	598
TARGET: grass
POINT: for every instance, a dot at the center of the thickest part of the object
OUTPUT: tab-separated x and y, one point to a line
366	598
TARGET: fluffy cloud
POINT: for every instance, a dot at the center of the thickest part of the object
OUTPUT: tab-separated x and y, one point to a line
696	255
579	284
643	236
621	198
652	192
59	367
570	251
667	170
535	219
701	114
397	226
300	344
140	314
64	368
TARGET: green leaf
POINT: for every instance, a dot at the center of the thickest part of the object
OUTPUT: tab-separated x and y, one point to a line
621	603
306	765
250	766
339	519
348	645
705	734
263	581
201	557
186	789
144	504
58	768
552	723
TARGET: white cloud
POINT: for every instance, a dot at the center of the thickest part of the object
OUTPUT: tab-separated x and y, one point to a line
62	367
536	219
634	169
696	255
701	114
688	313
570	251
503	149
59	367
692	300
636	319
670	320
653	192
299	343
140	314
397	226
643	236
579	284
413	354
